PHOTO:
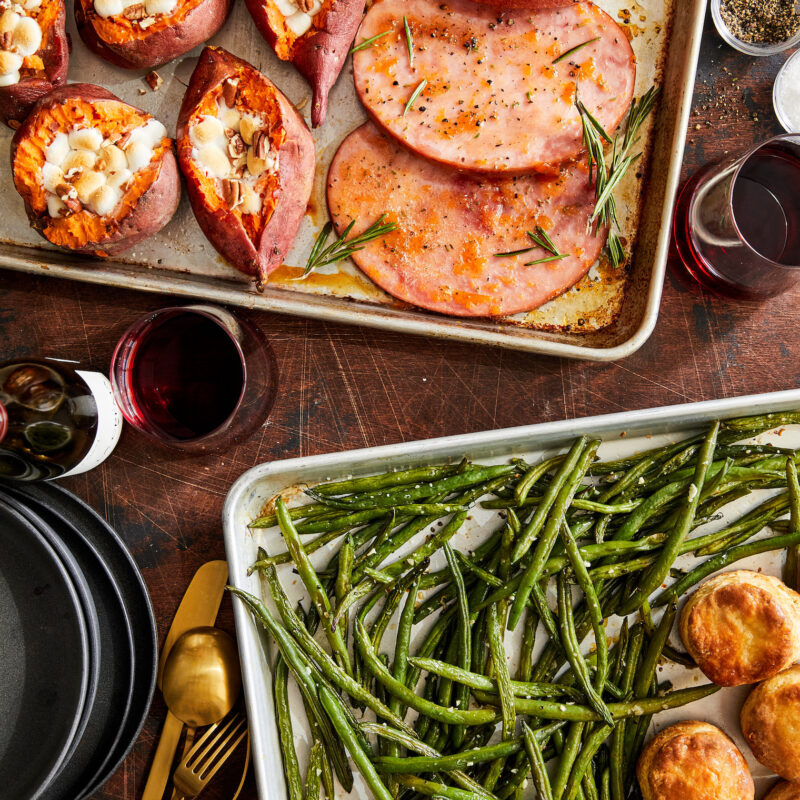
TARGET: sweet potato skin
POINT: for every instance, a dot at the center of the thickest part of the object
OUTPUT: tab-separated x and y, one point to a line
16	101
296	159
157	48
531	5
155	207
320	54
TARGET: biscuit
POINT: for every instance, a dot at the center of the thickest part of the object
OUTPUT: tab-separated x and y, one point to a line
770	721
693	761
742	627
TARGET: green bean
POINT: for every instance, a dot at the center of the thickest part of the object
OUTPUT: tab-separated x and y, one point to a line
579	503
571	645
731	556
311	581
761	422
532	476
335	710
283	716
309	511
385	481
434	789
656	574
541	779
525	664
439	713
401	652
477	570
592	602
531	530
347	521
314	772
498	653
464	635
791	570
309	645
356	594
550	533
546	709
569	752
301	667
593	743
317	736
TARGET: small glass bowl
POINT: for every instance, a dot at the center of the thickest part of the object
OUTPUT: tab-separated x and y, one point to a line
749	48
780	111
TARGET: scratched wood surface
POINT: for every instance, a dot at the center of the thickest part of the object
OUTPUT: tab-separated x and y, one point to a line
343	388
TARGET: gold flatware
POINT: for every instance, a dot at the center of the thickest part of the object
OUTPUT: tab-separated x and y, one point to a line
209	753
198	607
246	767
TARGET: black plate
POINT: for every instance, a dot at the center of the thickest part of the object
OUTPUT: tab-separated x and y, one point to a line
106	717
44	661
112	550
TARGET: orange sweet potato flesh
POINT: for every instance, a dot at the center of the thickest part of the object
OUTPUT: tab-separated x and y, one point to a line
319	54
124	43
44	70
254	244
146	206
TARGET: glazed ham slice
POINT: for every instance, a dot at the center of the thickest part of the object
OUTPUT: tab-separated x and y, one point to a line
451	225
494	100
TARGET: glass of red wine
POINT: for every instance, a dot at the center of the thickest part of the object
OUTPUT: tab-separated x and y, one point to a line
737	222
198	378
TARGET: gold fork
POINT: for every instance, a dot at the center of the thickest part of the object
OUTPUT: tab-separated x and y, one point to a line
208	754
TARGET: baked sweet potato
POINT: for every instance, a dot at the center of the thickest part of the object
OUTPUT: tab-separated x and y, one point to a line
141	34
532	5
96	174
34	54
315	35
248	159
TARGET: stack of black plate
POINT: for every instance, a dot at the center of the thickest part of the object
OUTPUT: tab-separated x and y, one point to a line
77	646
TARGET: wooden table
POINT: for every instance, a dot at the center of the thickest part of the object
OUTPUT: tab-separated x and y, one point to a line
343	388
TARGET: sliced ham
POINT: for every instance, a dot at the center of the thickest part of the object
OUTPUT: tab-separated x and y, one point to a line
535	5
494	100
451	225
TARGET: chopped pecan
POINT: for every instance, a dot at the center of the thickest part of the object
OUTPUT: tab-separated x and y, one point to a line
231	193
229	90
306	5
73	204
236	146
6	40
135	12
261	144
153	80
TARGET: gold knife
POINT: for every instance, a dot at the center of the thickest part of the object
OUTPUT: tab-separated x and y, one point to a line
198	608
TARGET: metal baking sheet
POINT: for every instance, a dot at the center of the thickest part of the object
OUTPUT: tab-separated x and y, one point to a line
621	434
607	316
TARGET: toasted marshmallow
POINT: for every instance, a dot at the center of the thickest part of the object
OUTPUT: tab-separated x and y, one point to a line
155	7
54	206
247	128
9	20
86	139
52	176
286	7
207	130
108	8
150	134
114	158
9	79
251	201
87	184
116	180
79	160
299	22
31	5
27	37
255	166
138	155
58	149
105	200
9	62
231	118
215	161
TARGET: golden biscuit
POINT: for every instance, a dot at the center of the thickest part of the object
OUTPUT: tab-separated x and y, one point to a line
771	723
693	761
785	791
742	627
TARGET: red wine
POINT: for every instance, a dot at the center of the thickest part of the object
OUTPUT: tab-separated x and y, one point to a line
186	375
766	204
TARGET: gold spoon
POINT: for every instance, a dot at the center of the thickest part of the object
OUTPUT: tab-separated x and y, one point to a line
202	678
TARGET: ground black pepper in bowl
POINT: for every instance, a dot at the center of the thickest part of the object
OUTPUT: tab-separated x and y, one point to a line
761	21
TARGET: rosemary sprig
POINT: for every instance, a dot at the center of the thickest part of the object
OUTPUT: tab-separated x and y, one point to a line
540	238
573	50
608	174
409	42
414	95
369	42
546	260
322	255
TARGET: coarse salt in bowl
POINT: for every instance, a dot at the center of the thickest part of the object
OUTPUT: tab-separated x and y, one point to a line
786	94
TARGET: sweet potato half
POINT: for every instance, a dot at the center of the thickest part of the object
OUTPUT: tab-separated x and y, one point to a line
248	159
96	174
315	35
34	55
140	34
